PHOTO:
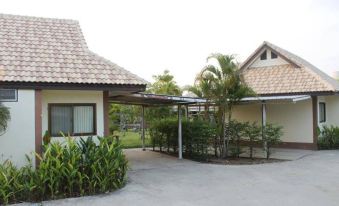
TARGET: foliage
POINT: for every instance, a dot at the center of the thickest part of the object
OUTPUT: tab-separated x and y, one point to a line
46	139
198	137
123	114
5	117
163	84
252	134
329	137
271	136
131	139
66	170
236	132
225	89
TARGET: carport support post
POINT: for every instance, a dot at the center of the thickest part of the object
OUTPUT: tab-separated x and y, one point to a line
263	122
179	133
143	127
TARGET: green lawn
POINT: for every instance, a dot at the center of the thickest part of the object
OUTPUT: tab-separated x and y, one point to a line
133	140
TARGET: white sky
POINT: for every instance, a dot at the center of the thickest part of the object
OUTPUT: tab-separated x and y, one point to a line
149	36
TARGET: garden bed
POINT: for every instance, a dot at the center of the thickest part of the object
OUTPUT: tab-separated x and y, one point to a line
243	161
228	161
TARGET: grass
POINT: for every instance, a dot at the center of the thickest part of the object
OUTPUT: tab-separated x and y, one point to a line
133	140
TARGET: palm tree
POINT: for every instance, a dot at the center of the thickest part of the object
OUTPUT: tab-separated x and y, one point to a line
4	118
226	89
201	88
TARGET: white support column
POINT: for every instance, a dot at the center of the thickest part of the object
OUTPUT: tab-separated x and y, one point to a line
263	120
143	127
179	133
186	112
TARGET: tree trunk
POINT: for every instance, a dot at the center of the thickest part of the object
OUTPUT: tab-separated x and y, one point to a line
228	138
224	144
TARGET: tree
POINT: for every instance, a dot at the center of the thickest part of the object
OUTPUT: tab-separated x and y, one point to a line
5	117
201	88
164	84
226	89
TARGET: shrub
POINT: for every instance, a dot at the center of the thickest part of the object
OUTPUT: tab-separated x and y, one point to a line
252	133
328	137
272	135
198	137
66	170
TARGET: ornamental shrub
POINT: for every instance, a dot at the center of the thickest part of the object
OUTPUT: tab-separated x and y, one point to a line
198	137
328	137
66	170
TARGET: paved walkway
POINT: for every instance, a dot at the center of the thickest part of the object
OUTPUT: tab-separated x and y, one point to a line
157	179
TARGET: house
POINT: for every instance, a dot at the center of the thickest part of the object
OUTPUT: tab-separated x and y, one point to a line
291	92
52	82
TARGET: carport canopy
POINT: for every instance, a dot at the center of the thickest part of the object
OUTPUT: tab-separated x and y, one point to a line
154	100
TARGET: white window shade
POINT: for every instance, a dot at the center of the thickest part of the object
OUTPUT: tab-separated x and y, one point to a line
83	119
61	118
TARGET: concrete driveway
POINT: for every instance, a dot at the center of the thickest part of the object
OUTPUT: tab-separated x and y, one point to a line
157	179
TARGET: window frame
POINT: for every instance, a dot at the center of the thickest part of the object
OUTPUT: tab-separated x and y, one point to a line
50	105
265	52
322	120
10	100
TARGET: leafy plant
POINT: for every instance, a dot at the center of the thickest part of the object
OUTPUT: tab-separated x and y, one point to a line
198	137
328	137
271	136
252	133
5	117
226	89
66	169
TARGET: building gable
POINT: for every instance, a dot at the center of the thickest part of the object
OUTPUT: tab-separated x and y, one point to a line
266	58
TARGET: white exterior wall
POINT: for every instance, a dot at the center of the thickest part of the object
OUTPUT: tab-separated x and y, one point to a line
19	138
296	118
72	96
269	61
332	110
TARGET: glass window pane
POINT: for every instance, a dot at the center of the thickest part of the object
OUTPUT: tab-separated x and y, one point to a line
83	119
61	120
322	112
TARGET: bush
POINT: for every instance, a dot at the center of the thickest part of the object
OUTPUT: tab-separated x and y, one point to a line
329	137
198	137
272	135
66	170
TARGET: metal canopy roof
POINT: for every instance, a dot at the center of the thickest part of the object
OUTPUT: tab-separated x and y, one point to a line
290	98
168	100
154	99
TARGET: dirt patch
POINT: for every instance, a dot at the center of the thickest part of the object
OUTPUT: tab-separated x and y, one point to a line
243	161
228	161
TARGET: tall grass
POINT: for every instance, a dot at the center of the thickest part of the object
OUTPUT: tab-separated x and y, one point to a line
66	170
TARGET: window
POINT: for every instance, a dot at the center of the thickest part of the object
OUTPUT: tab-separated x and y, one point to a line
263	56
273	55
73	119
322	112
8	95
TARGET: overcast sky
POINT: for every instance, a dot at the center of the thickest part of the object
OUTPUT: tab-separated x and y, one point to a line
147	37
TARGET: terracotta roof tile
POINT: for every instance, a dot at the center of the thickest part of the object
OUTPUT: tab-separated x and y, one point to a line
298	76
36	49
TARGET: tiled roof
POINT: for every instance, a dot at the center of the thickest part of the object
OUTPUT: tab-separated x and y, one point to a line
47	50
298	76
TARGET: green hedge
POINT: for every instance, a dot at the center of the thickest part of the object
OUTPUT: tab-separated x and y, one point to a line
66	170
198	137
328	137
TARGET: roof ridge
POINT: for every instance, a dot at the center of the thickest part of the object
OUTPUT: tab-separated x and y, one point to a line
38	18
